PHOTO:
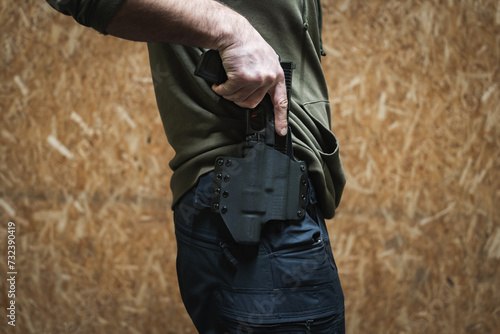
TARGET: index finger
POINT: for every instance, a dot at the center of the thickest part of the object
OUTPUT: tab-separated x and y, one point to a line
279	98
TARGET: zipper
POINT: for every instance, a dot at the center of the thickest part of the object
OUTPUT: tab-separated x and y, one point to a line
213	243
186	234
294	249
320	325
227	254
308	326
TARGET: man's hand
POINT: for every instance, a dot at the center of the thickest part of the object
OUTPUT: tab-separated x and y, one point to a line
252	66
254	71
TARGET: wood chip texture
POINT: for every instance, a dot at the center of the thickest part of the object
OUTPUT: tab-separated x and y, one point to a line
415	99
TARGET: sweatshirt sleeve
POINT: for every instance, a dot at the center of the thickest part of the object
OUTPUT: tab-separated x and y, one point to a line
90	13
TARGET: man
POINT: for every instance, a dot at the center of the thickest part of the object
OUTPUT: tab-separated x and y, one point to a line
287	282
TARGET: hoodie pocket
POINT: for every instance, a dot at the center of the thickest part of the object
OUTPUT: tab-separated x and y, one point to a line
328	148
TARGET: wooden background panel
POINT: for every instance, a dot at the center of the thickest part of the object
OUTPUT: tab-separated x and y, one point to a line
415	95
414	88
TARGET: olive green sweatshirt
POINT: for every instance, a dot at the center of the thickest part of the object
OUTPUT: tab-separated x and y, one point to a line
200	125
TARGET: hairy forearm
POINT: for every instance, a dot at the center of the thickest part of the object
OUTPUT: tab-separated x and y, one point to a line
201	23
251	64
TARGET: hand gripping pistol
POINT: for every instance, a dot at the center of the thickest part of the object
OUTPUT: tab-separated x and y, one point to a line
265	183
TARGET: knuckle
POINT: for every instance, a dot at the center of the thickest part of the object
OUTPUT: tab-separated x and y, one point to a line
283	103
273	76
281	106
257	79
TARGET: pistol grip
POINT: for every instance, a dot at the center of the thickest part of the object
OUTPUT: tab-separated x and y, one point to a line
210	68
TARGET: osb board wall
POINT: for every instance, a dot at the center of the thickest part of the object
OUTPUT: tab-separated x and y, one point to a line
415	95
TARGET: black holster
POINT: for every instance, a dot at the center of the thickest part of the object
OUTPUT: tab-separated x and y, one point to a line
265	183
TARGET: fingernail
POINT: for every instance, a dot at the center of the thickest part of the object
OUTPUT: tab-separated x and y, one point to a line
283	132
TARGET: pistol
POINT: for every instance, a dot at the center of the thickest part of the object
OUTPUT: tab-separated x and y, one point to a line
265	183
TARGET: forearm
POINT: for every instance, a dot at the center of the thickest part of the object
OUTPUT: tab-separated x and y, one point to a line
251	64
200	23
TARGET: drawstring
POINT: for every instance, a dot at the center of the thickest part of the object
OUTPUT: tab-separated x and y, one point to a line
228	255
308	326
305	14
305	21
320	19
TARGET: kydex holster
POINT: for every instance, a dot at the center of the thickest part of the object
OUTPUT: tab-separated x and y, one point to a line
265	183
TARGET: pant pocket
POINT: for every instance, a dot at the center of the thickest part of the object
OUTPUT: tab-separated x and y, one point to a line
334	324
305	310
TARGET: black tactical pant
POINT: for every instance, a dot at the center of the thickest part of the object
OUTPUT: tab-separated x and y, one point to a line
286	284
